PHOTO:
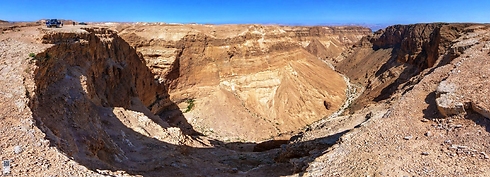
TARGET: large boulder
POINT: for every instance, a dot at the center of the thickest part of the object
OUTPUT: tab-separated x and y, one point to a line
448	102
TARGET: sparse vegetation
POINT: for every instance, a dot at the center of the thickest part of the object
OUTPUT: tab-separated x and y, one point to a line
40	58
31	58
190	105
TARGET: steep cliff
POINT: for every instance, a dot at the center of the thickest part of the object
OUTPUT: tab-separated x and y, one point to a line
248	81
108	63
385	61
157	42
93	99
97	101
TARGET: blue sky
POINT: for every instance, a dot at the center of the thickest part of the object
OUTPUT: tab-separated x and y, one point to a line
297	12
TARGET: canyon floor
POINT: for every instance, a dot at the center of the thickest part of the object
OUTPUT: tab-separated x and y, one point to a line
155	99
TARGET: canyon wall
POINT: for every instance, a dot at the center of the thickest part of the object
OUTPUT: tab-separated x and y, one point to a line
93	95
100	101
428	109
107	109
249	82
385	61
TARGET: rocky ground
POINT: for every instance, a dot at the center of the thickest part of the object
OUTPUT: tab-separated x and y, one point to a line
429	130
115	100
22	142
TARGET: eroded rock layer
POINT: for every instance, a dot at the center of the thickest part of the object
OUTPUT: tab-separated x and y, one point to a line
92	98
385	61
433	123
96	107
248	81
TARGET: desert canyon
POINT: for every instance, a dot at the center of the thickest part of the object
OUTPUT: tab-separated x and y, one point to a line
158	99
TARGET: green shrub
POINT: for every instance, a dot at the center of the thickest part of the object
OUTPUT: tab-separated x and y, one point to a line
41	58
190	105
32	55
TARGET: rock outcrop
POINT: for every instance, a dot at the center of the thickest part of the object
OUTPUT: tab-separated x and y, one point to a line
106	61
93	99
157	42
447	100
466	86
385	61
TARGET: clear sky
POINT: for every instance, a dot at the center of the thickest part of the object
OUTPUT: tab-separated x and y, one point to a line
297	12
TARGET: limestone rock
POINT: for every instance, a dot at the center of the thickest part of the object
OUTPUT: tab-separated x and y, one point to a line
480	109
448	102
18	149
388	59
